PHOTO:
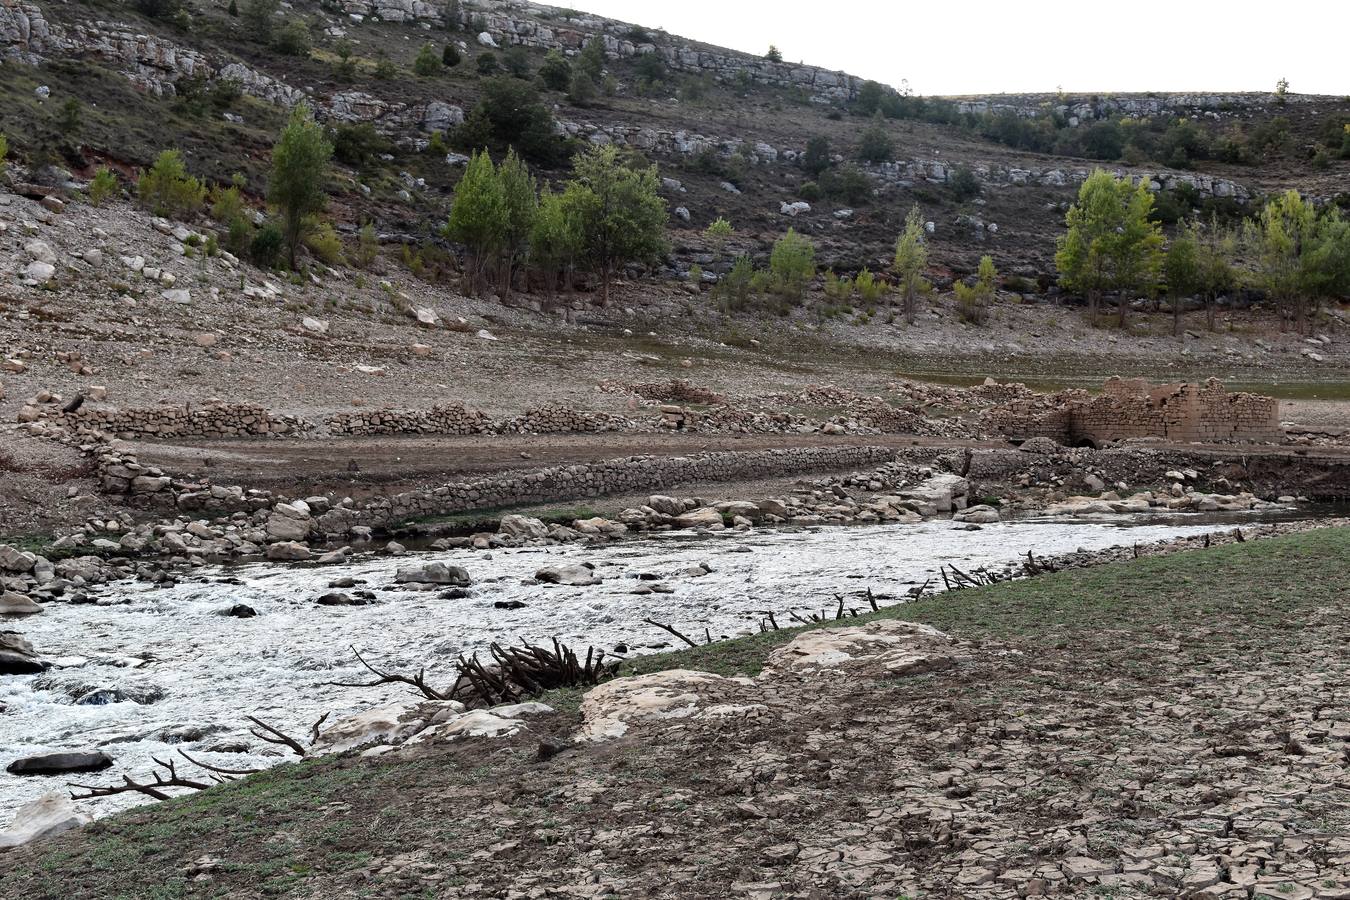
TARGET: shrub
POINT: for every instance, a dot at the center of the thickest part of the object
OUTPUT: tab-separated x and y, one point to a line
792	265
582	90
168	190
103	186
427	63
650	69
774	54
556	72
4	151
735	288
848	184
367	246
159	9
870	288
516	61
510	114
973	302
816	159
385	70
486	63
963	184
809	191
323	242
591	60
265	248
875	145
450	56
357	145
717	233
293	39
259	17
838	290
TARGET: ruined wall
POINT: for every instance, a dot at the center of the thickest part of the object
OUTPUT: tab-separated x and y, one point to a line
1132	408
617	476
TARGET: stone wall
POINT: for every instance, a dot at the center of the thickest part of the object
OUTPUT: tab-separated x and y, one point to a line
1132	408
617	476
443	418
212	421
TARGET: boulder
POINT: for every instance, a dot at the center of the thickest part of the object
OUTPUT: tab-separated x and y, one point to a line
703	517
522	526
48	815
575	576
669	506
57	763
13	604
979	515
17	656
943	492
434	573
288	551
382	725
288	522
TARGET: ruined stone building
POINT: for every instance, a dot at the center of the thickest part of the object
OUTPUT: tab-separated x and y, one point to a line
1132	408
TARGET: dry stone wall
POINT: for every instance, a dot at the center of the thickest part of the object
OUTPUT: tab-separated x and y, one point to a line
443	418
213	421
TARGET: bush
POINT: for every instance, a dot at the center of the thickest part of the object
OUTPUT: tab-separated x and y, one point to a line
450	56
509	114
848	184
367	246
385	70
323	242
487	63
4	151
809	191
516	61
103	186
556	72
973	302
963	184
168	190
265	248
159	9
259	18
774	54
875	145
792	265
293	39
582	90
427	63
357	145
870	288
816	159
736	287
838	290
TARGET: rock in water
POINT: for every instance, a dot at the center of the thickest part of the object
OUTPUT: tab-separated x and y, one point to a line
434	573
57	763
576	576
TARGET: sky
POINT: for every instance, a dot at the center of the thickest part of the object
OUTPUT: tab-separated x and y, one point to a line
1041	46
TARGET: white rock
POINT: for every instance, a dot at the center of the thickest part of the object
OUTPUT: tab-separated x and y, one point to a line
313	325
49	815
39	271
181	296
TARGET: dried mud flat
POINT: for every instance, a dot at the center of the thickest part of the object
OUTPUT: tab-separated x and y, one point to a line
1166	727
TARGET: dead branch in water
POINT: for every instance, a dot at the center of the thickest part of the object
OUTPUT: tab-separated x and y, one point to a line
665	627
417	682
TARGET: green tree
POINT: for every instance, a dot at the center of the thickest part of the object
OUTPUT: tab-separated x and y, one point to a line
875	144
259	18
299	168
792	265
1301	256
555	238
292	39
774	54
911	261
582	89
4	151
1181	270
816	159
510	114
102	186
1111	243
486	63
427	62
624	218
450	56
591	60
478	217
556	72
717	233
973	301
168	190
522	205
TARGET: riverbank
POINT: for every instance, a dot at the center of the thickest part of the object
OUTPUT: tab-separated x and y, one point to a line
1158	725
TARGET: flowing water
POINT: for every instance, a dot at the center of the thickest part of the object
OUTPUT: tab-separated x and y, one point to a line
150	669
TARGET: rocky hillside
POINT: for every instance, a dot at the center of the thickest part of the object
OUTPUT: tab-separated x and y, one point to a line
114	83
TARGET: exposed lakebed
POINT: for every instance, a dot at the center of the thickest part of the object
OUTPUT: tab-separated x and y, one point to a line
162	667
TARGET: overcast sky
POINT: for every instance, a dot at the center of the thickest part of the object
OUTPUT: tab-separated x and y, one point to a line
985	46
